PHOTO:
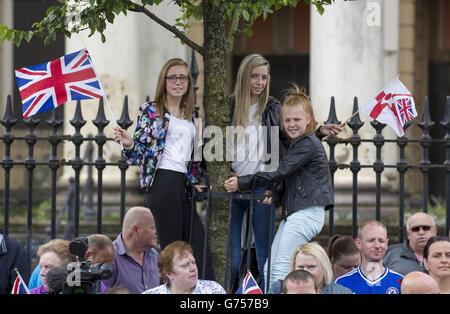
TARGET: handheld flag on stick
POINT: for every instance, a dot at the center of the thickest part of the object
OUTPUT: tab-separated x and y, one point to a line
19	286
45	86
249	285
393	105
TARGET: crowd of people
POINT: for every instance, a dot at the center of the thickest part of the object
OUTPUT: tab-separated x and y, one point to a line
364	265
161	245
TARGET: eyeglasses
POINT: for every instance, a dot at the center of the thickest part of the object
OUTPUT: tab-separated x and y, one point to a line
417	228
173	79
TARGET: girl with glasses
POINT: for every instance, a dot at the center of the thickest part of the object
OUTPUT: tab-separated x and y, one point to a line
162	146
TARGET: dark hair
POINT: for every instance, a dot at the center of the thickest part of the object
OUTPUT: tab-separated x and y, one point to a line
339	246
431	241
299	275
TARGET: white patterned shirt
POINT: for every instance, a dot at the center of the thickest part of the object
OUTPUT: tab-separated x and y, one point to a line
202	287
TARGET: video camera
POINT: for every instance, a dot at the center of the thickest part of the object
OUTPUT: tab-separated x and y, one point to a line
78	278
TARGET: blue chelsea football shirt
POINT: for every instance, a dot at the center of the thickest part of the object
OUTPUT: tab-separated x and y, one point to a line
387	283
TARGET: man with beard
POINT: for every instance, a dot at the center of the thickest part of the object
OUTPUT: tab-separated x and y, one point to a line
407	257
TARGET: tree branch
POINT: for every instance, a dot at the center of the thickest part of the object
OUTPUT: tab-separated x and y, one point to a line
233	28
171	28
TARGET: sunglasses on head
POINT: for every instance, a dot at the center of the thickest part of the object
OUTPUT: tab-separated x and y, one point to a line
417	228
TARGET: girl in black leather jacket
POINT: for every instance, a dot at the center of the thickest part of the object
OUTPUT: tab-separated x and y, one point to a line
307	182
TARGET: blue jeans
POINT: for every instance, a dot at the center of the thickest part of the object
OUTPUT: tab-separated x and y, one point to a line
260	225
299	228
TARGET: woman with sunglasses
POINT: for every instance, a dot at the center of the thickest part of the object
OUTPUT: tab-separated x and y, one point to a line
162	146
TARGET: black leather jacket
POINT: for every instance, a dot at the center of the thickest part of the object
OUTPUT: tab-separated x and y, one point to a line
305	174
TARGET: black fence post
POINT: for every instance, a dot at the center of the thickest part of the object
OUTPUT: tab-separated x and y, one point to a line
8	122
55	122
124	122
332	142
30	164
355	140
425	124
446	124
378	165
100	122
77	163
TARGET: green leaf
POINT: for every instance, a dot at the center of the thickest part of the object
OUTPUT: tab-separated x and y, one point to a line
28	36
18	36
51	9
245	14
249	32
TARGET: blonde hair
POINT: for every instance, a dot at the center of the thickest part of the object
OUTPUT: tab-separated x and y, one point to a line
315	250
60	247
187	101
296	96
242	90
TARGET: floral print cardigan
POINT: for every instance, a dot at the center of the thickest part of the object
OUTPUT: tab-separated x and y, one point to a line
149	140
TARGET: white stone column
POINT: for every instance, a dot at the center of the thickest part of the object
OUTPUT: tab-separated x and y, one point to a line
354	47
128	63
6	54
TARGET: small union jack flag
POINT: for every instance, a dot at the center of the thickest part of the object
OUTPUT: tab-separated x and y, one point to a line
406	110
46	86
19	286
249	286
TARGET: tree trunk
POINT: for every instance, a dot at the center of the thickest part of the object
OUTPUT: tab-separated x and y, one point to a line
217	114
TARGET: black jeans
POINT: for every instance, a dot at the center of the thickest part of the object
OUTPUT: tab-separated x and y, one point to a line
169	205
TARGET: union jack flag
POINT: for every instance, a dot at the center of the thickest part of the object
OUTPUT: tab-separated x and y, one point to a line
249	286
19	286
45	86
406	110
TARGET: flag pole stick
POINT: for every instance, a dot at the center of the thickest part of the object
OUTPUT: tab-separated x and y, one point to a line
346	121
354	114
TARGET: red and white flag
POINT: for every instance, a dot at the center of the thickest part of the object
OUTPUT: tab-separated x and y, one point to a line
393	105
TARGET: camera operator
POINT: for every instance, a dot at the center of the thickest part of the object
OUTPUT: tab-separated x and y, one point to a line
95	255
100	250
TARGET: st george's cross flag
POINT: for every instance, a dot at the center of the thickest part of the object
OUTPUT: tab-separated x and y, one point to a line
45	86
249	286
393	105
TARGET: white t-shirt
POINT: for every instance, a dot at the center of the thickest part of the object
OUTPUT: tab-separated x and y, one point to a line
249	151
178	147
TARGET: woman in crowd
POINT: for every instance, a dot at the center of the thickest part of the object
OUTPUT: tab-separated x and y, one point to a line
343	254
179	273
436	258
54	253
162	146
313	258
